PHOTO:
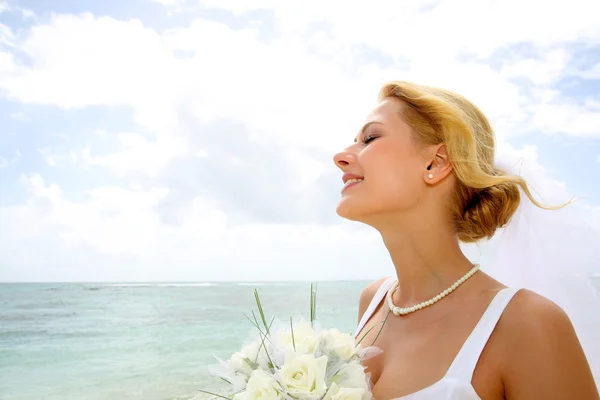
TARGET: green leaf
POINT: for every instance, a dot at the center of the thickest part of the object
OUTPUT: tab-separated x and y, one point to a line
262	339
367	332
292	331
313	304
226	380
251	364
253	322
382	325
373	327
262	336
261	311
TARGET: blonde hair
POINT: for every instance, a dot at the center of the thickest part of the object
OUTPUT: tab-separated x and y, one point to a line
485	197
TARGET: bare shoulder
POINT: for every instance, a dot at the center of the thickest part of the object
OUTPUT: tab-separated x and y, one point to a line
543	357
367	295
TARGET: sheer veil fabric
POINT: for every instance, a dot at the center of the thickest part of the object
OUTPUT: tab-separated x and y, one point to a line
551	252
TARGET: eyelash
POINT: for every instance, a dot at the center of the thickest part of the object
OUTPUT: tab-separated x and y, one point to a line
369	138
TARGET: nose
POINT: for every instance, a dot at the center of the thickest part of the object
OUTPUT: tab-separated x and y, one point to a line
344	159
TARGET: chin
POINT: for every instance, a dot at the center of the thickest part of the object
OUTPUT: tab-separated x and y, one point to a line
373	212
352	210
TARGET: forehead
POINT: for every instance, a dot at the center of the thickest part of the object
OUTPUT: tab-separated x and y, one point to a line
387	111
388	114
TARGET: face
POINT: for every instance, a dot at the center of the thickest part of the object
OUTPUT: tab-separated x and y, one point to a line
389	167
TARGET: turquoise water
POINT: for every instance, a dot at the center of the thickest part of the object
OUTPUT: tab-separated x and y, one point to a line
132	341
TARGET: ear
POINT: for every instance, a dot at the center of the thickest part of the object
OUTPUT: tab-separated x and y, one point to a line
439	165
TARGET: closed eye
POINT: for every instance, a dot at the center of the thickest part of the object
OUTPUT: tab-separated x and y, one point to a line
369	138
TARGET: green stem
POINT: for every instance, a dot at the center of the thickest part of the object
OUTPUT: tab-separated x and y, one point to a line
292	330
260	310
382	325
313	304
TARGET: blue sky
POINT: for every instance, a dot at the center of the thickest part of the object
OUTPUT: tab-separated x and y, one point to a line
192	140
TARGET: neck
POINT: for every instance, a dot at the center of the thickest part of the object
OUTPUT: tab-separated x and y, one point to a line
427	259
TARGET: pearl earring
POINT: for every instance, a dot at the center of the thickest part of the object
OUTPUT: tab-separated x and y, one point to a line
430	176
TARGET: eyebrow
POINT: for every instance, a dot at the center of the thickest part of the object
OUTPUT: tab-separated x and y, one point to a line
364	128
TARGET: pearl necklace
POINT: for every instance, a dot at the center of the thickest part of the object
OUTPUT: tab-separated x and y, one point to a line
403	311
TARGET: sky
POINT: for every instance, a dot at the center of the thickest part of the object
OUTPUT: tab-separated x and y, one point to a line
188	140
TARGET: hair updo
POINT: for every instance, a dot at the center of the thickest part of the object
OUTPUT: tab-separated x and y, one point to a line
485	197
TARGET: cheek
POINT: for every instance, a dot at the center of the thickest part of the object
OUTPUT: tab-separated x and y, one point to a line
393	176
395	165
400	185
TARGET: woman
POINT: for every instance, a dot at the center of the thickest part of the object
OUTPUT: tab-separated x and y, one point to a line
421	172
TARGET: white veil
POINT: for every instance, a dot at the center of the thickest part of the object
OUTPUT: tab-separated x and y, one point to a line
552	253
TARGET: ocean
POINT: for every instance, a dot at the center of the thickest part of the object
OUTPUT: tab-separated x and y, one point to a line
155	341
140	341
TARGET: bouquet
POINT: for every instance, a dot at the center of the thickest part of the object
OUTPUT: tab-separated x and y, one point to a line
296	361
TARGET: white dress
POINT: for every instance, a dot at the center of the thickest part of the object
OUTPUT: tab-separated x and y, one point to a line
456	384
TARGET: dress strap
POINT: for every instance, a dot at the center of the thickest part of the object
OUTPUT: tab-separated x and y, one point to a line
464	364
379	295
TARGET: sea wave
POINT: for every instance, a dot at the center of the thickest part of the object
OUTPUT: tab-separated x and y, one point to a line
191	284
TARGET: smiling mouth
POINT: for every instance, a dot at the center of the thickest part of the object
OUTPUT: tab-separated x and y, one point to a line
351	182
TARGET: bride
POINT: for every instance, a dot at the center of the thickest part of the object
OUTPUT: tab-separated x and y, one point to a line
422	172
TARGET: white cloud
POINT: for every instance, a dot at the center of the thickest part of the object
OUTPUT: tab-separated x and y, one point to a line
525	162
439	56
27	13
80	61
412	29
545	70
19	116
138	154
5	162
8	69
6	36
124	224
566	118
596	218
24	13
592	72
231	164
49	158
170	3
117	215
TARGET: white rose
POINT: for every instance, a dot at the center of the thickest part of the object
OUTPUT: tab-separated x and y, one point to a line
338	344
304	375
261	386
255	352
305	339
352	376
344	393
239	362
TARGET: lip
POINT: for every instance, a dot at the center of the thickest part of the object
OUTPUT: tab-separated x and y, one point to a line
348	176
346	187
